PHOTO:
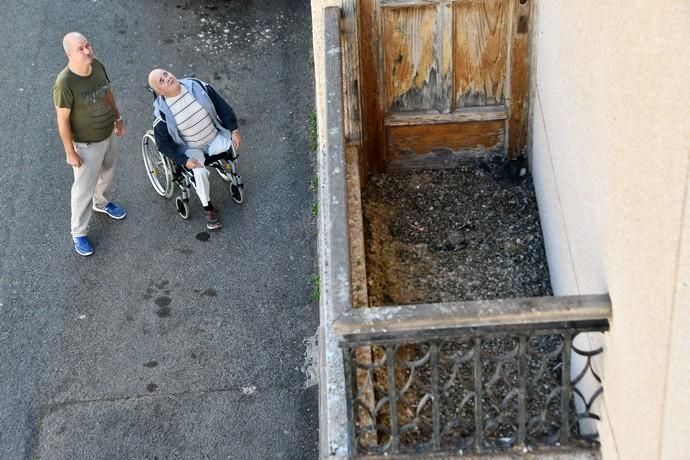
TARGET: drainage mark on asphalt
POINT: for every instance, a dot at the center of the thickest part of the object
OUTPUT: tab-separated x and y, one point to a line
310	368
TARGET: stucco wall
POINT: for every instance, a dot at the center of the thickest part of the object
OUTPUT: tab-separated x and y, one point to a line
317	9
610	128
332	431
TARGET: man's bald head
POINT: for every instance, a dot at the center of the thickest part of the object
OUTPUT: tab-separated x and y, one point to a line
79	53
153	78
71	39
164	83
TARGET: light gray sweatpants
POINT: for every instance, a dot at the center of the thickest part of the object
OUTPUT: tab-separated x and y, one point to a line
219	144
92	181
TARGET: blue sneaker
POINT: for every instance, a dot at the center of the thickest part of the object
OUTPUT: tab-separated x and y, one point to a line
82	246
112	210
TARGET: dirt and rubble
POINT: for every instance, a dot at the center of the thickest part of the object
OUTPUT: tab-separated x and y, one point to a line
467	233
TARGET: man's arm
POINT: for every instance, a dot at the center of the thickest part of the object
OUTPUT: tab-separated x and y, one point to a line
226	114
166	145
65	130
119	122
109	99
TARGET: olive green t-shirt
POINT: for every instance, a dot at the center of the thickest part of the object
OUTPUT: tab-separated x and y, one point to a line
92	115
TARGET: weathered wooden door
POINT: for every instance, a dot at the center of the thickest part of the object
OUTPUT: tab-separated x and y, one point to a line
442	79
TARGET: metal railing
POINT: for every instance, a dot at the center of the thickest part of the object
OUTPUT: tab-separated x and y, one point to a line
471	377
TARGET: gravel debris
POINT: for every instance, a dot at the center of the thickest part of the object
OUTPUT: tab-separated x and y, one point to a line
219	30
470	233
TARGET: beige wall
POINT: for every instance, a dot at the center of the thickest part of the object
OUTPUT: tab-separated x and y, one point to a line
610	158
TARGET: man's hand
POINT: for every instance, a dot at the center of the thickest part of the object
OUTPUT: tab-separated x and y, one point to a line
120	127
192	163
236	139
73	159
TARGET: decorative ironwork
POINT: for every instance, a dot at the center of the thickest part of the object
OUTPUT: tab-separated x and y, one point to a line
469	391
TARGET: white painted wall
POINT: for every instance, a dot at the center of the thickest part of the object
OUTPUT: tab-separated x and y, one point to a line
610	159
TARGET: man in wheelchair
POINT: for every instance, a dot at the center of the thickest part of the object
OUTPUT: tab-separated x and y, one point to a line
193	122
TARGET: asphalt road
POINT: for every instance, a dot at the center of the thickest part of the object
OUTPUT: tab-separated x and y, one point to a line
163	344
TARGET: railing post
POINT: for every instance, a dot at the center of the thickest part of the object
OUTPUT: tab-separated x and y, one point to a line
478	397
350	396
566	392
392	398
435	399
522	392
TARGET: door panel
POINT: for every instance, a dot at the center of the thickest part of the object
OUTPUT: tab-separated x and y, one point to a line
415	79
481	52
437	146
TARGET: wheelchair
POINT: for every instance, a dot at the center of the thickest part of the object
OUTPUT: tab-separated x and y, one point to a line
166	176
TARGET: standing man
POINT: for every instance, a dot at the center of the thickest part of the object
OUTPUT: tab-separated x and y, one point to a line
192	121
88	119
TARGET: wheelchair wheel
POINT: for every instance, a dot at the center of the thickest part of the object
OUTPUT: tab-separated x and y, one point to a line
237	192
158	166
182	207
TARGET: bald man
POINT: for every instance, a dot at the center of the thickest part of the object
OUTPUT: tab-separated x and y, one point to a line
88	120
192	121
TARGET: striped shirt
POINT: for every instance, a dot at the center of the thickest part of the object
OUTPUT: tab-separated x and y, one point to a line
193	121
